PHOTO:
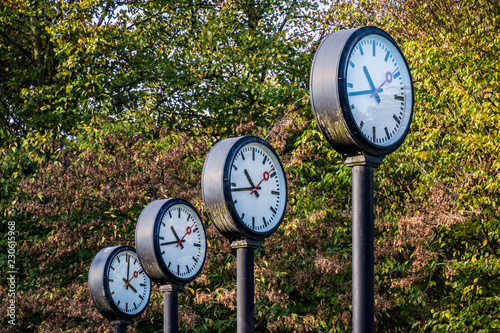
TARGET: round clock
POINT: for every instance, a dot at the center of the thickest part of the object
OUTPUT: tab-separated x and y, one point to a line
171	241
119	286
361	92
244	188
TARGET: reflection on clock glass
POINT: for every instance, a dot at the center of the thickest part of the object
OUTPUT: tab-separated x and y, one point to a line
128	283
182	241
379	90
258	187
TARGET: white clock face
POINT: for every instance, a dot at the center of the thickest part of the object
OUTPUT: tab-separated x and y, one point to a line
182	241
379	90
258	187
128	283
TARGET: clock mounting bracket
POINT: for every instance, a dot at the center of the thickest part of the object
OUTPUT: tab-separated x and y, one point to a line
362	159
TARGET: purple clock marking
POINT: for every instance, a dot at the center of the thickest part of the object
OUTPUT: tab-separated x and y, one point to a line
388	79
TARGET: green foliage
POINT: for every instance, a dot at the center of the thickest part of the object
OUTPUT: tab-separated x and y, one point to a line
106	106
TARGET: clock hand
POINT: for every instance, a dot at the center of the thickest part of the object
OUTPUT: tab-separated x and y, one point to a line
363	92
251	183
388	79
368	77
265	177
127	284
177	237
128	270
188	231
242	189
136	274
367	74
170	243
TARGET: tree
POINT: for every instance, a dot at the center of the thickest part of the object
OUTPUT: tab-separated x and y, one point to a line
107	106
104	98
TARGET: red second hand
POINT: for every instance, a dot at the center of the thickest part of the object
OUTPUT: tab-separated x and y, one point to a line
265	177
188	231
136	274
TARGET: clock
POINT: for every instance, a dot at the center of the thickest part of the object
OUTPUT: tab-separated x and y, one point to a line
362	92
171	242
244	188
119	287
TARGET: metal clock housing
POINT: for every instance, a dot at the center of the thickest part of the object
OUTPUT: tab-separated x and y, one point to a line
244	188
171	242
362	92
119	287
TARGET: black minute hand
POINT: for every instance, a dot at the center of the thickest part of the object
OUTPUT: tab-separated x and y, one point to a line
128	272
243	189
171	243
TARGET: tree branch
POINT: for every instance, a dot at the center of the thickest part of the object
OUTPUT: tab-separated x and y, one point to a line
16	45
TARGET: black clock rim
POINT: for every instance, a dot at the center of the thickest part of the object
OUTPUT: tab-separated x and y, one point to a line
242	228
358	137
156	242
112	311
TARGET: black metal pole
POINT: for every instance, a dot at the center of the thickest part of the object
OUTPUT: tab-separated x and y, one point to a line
120	325
362	249
245	289
245	284
120	329
170	312
170	307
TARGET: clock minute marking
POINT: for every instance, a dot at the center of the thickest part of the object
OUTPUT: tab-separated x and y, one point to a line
387	56
396	119
387	133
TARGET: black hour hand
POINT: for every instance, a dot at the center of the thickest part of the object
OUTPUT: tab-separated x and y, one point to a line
127	284
370	82
177	237
250	182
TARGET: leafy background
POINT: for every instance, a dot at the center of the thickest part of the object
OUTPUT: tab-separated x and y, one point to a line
108	105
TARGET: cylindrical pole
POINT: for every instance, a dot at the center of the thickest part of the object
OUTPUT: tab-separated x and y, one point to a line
245	284
170	307
362	249
245	290
120	325
120	329
170	312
